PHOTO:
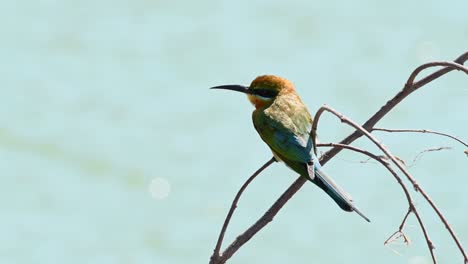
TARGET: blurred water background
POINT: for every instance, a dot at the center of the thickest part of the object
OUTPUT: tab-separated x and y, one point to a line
113	150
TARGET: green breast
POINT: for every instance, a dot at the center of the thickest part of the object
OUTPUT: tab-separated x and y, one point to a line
285	126
287	113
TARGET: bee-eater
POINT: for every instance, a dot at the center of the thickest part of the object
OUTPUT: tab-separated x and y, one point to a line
284	124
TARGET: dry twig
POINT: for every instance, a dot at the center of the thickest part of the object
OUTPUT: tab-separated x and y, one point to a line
421	153
409	88
233	207
424	131
403	169
411	208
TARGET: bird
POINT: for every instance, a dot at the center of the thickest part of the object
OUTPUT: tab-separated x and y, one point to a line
284	123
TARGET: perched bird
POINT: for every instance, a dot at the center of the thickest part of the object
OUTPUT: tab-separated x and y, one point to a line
284	124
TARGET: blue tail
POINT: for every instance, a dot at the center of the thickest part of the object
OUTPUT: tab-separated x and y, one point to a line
343	199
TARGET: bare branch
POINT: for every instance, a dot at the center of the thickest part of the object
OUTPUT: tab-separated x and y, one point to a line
452	65
263	221
385	109
368	125
435	75
216	256
420	131
401	167
411	207
380	159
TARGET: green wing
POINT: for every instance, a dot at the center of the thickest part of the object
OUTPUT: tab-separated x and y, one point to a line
287	137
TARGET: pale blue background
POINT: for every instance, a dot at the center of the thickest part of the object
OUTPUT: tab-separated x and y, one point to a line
98	98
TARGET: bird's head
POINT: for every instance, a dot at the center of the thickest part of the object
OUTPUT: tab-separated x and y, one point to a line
263	90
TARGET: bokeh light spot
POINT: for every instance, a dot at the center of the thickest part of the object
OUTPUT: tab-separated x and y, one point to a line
159	188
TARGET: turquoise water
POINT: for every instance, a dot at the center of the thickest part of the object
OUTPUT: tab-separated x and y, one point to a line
113	150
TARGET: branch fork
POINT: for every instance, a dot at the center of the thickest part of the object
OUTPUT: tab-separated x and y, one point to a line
388	161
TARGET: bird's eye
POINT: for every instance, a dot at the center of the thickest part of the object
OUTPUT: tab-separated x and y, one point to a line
265	93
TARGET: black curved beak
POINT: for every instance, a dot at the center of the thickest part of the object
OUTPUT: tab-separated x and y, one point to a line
238	88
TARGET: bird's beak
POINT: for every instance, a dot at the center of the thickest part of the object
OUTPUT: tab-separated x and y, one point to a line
238	88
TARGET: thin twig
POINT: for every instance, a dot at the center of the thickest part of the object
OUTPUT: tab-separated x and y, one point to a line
368	125
411	207
420	131
406	217
216	255
399	232
389	155
379	158
416	186
262	221
385	109
419	155
453	65
416	85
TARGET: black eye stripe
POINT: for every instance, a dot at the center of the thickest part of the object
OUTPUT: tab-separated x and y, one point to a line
265	93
